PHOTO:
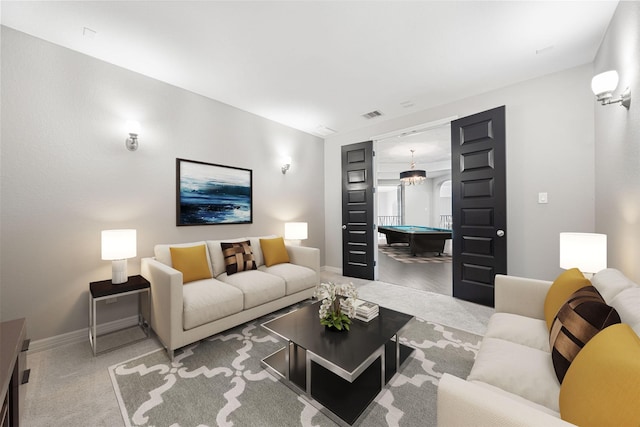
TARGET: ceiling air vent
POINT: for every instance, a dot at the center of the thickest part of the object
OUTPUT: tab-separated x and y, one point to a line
372	115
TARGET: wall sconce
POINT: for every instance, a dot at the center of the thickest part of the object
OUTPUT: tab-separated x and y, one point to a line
117	246
295	232
603	86
286	164
586	251
133	128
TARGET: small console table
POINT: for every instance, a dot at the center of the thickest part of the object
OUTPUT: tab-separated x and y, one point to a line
103	290
13	372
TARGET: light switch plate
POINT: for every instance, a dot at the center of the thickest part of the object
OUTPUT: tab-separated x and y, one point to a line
542	198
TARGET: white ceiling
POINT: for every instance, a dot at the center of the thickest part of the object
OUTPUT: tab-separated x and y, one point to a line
311	64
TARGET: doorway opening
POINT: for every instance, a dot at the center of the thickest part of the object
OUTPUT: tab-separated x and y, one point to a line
425	205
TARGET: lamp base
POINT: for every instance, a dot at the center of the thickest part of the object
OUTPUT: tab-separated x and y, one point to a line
119	271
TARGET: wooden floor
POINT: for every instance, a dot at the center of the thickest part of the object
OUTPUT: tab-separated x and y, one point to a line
433	277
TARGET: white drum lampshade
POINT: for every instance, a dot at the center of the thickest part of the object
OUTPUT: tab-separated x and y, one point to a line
586	251
604	84
117	246
295	231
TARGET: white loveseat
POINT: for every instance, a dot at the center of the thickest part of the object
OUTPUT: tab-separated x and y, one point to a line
182	314
513	382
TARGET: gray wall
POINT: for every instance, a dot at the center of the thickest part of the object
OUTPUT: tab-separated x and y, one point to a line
617	144
66	175
550	147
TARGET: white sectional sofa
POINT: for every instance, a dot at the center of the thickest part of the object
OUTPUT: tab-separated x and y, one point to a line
185	313
513	382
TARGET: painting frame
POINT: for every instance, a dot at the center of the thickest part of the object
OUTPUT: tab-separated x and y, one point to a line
212	194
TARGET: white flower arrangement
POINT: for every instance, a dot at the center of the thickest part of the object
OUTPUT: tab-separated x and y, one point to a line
338	304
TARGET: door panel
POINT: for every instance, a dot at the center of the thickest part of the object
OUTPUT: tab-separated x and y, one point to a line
479	204
358	233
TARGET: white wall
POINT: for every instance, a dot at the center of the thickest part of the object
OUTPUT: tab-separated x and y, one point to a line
418	203
387	201
441	205
66	175
617	144
549	126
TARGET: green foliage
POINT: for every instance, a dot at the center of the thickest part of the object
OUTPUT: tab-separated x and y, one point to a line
336	320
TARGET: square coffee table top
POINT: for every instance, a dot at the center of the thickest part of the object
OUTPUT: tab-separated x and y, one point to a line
346	349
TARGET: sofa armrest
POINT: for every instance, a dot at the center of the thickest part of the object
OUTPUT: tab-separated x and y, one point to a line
306	257
166	300
463	403
520	295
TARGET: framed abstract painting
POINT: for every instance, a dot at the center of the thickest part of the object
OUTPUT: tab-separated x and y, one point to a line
207	194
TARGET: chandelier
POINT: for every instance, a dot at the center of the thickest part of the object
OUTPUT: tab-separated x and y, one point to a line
413	176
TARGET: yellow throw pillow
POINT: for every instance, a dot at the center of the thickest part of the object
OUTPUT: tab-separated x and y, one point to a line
561	289
192	262
274	251
602	385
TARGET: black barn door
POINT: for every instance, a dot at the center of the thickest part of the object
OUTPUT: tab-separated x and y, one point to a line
479	204
358	243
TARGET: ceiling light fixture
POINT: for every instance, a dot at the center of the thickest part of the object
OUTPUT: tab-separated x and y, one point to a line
603	86
413	176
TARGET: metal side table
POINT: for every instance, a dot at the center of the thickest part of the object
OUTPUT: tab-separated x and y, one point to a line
103	290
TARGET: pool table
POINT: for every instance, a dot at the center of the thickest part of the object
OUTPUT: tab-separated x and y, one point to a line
419	238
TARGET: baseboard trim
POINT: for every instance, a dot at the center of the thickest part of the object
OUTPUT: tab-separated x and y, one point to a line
80	335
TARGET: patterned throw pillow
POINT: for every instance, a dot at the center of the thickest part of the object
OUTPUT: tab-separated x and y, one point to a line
565	284
238	257
583	315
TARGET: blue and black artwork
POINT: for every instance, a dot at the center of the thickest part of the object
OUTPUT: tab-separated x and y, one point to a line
213	194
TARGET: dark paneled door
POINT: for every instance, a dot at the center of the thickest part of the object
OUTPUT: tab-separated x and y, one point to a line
358	243
479	204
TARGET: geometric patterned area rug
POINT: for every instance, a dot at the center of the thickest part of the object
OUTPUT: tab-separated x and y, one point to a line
402	253
219	382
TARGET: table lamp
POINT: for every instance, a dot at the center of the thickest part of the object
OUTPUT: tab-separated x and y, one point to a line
295	231
117	246
586	251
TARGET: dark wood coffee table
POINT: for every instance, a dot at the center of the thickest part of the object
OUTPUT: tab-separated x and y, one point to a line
340	373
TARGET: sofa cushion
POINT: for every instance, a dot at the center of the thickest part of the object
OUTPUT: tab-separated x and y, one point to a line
296	277
207	300
565	284
238	257
602	386
610	282
217	258
163	253
274	251
191	261
517	398
519	329
583	315
518	369
626	304
257	286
